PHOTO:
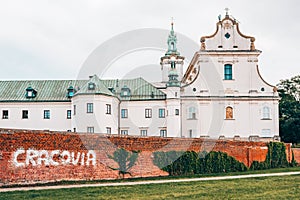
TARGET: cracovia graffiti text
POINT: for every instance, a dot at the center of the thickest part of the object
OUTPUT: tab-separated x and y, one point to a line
54	158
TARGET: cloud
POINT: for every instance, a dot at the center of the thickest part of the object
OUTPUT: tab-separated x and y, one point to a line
52	39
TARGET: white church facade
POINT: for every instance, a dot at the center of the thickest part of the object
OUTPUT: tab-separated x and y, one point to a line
220	95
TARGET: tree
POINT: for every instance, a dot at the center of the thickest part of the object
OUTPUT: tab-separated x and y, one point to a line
125	160
289	109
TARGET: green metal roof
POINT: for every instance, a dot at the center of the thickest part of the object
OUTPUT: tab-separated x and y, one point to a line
47	90
139	89
100	88
56	90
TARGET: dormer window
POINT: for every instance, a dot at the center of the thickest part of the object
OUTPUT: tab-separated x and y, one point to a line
30	92
125	91
91	86
71	92
111	89
152	95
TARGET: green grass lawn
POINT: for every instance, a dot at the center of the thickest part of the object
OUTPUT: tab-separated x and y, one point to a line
290	169
283	187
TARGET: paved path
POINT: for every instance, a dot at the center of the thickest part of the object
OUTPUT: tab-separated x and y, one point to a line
147	182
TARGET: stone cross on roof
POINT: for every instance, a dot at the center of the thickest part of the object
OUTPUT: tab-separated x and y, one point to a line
226	9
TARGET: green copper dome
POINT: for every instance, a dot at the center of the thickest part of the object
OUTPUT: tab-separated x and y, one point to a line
173	79
172	42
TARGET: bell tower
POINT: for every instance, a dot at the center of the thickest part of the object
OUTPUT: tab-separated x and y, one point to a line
171	61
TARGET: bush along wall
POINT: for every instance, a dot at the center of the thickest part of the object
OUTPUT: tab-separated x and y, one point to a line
276	158
293	162
190	162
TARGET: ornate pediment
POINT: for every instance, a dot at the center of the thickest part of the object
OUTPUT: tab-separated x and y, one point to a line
227	37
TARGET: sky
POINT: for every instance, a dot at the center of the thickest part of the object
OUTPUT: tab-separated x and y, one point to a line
53	39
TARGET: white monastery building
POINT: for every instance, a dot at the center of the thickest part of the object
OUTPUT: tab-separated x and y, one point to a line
220	95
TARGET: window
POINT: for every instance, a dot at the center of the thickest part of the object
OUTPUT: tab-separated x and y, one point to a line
177	112
124	132
229	112
30	92
163	133
148	113
266	112
46	114
90	129
108	109
124	113
70	92
74	109
69	114
143	132
125	91
190	133
91	86
4	114
89	107
24	114
108	130
192	113
227	35
152	95
173	65
161	113
228	72
111	89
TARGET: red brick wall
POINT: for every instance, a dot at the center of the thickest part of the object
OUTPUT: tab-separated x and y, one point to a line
297	155
243	151
22	140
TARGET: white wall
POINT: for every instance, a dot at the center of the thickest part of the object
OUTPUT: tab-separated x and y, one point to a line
246	76
58	116
247	118
235	38
98	119
173	120
136	117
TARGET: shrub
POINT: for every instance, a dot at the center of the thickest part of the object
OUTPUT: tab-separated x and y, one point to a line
293	162
276	157
190	162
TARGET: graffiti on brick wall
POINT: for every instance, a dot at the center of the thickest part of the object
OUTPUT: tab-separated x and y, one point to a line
54	158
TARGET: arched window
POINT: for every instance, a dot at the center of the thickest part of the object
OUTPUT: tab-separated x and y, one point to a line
192	113
229	112
172	45
228	72
266	112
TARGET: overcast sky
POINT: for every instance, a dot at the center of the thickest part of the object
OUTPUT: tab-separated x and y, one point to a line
52	39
